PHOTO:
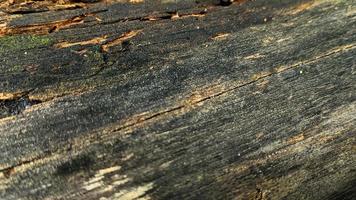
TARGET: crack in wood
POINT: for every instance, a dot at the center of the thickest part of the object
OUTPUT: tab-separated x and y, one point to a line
42	29
50	27
104	41
162	16
13	7
9	171
173	15
94	41
118	41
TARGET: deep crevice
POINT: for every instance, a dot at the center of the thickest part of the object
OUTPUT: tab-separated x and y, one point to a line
16	105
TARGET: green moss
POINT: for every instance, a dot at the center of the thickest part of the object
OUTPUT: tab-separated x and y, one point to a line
21	42
16	68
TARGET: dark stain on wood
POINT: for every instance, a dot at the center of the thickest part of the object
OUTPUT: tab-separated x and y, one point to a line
81	163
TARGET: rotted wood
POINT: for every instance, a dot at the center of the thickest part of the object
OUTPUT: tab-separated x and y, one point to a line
177	100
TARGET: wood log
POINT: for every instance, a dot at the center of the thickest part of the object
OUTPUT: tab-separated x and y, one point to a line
177	99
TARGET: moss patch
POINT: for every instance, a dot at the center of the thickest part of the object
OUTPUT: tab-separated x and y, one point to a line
21	42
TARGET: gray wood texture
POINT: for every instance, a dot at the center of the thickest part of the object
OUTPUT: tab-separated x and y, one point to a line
178	100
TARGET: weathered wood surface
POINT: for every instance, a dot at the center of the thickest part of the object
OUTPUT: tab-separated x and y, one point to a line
158	100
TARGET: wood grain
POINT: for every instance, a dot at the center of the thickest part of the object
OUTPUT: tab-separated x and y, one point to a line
186	100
